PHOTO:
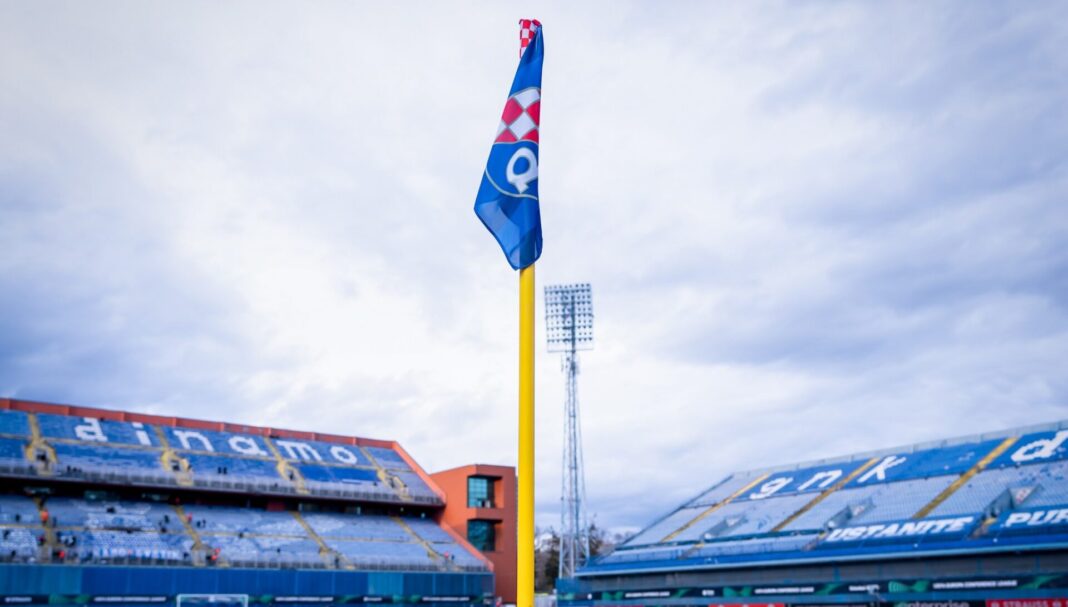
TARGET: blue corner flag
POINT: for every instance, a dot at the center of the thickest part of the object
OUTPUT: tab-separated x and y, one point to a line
507	200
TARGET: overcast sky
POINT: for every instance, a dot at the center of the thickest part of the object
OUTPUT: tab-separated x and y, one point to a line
811	228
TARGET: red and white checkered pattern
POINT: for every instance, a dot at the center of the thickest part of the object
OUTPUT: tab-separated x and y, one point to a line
527	29
521	117
522	112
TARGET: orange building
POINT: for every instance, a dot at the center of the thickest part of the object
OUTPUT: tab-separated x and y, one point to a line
480	507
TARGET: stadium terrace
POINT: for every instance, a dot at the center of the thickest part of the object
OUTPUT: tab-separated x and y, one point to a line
973	521
138	509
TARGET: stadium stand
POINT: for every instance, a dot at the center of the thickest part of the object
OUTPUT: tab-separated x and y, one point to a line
988	506
103	450
105	503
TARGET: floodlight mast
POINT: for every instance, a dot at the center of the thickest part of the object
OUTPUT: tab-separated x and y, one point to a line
569	328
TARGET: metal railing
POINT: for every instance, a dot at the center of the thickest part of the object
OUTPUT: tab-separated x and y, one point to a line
205	480
90	557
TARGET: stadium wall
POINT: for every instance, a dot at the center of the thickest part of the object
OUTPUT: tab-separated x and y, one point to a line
946	581
64	583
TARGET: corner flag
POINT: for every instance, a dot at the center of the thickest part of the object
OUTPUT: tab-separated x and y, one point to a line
507	200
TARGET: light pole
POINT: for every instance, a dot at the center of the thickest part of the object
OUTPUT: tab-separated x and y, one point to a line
569	328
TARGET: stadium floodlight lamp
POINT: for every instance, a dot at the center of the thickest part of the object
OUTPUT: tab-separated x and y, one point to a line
569	317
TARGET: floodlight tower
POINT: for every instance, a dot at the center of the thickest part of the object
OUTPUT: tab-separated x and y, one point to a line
569	328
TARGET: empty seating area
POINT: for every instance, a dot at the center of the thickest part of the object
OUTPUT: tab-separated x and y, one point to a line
935	496
759	517
768	545
104	545
660	529
20	544
359	527
339	475
20	529
14	423
1052	485
103	531
745	517
132	452
221	519
90	429
129	490
877	503
429	531
18	510
980	491
87	459
230	471
674	521
901	500
388	458
722	490
13	456
384	554
265	551
415	485
140	516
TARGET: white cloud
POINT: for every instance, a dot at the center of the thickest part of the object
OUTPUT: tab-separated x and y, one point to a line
810	230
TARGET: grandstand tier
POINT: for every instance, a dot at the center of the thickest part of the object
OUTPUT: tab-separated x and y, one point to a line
107	506
167	452
940	521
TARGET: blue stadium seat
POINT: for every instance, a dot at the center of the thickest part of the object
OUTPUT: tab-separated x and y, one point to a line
768	545
359	527
903	499
875	503
14	423
804	510
211	441
20	544
12	452
18	509
141	516
340	475
415	484
221	519
369	553
101	545
104	460
388	458
232	470
979	493
114	433
659	530
1052	482
266	550
429	531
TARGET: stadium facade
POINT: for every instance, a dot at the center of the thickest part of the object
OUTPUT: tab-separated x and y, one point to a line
101	506
980	521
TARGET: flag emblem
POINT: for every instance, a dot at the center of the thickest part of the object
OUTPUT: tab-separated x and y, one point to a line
519	122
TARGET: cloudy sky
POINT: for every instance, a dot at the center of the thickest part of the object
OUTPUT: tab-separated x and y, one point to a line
811	228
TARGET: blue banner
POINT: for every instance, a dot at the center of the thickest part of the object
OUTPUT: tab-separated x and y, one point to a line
507	200
1033	520
948	527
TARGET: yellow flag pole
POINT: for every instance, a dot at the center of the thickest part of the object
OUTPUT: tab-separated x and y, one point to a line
525	544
